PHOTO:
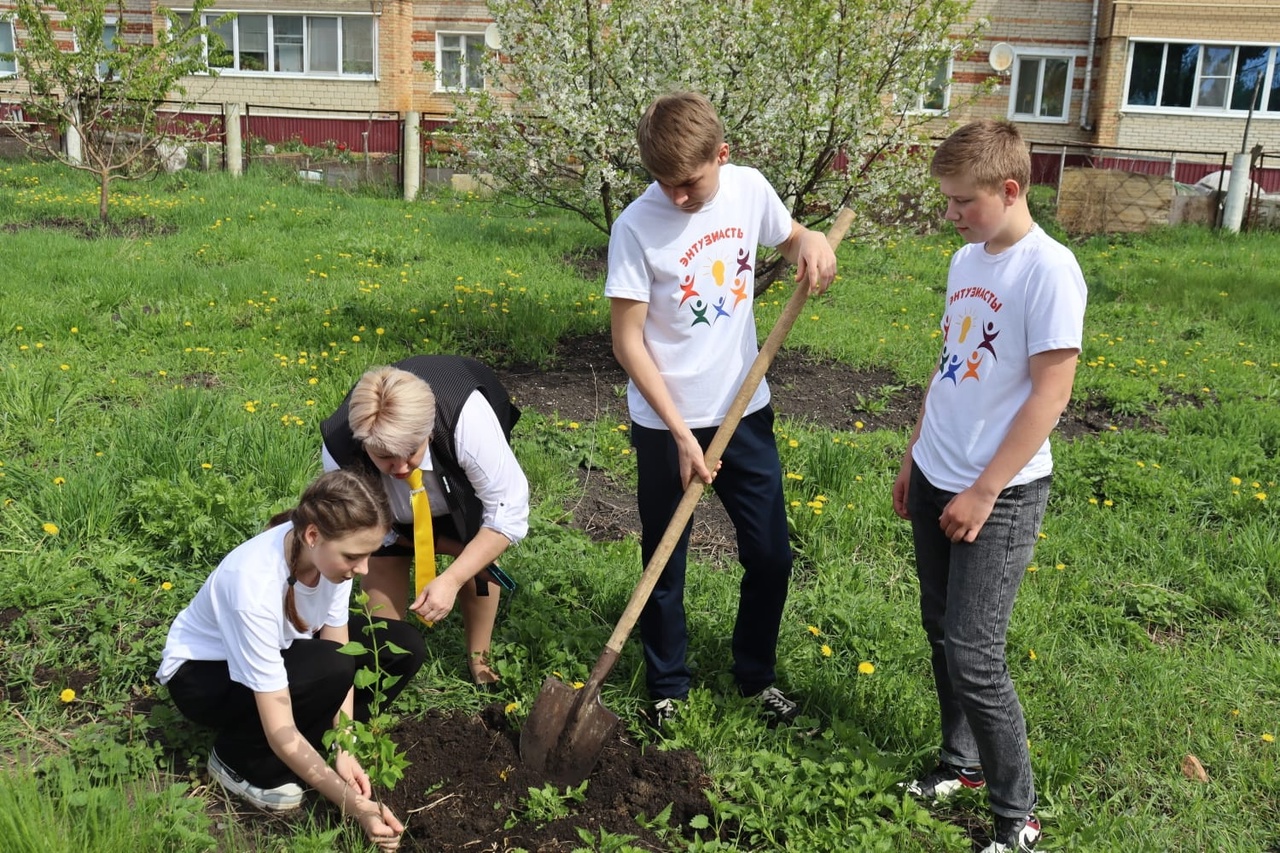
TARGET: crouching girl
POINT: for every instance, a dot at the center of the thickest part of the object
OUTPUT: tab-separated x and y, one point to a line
255	654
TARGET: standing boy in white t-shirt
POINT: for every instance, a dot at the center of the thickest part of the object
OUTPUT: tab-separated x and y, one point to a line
681	279
975	478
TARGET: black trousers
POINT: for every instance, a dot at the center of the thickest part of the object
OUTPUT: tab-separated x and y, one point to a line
319	678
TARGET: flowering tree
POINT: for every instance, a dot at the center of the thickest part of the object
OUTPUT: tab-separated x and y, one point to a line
78	73
820	95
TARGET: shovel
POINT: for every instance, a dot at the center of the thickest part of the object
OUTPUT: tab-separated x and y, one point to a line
567	728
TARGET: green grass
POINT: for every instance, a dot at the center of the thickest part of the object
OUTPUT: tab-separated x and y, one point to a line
161	396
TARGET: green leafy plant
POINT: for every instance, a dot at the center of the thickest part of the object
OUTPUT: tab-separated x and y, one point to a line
370	742
546	804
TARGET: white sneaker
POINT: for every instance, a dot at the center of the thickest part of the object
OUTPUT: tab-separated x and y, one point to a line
279	799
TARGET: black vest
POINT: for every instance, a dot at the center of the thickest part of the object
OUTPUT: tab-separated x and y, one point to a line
452	378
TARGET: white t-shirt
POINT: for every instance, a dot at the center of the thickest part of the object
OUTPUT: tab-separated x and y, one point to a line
697	273
238	615
489	464
1000	310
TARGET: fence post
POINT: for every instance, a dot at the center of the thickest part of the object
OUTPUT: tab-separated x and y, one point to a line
411	155
1237	192
235	161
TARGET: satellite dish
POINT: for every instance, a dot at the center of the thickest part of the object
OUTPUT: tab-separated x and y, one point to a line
492	39
1001	56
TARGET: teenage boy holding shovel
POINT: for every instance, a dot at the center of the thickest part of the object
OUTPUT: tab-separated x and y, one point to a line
680	285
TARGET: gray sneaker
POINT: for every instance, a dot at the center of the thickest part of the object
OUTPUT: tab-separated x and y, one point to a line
279	799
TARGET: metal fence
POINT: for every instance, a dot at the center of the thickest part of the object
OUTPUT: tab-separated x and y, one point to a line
1109	188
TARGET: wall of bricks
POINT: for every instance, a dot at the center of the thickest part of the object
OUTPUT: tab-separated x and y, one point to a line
407	54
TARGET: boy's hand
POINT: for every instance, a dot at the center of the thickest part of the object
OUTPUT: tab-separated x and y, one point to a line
692	461
963	516
814	258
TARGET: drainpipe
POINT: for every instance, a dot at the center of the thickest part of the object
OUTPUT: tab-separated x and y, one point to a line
1088	70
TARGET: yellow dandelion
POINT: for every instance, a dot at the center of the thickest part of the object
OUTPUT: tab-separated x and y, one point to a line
1031	653
1268	738
312	381
813	629
826	650
511	706
355	338
67	695
577	685
866	668
206	465
1093	501
166	586
793	443
1033	568
858	424
58	481
1108	502
50	528
1235	481
379	331
574	424
64	367
1060	566
74	330
1262	496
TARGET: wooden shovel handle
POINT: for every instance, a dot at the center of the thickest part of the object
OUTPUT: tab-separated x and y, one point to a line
692	494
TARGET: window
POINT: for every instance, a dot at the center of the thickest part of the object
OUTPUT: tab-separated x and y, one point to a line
109	29
937	94
8	67
1042	87
1213	78
328	45
459	57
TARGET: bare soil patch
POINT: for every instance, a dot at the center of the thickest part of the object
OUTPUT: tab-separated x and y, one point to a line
467	784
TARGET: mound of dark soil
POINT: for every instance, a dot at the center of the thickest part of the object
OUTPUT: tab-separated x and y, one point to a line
467	789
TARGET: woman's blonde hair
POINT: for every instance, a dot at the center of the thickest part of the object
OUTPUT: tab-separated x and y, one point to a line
678	134
392	412
338	503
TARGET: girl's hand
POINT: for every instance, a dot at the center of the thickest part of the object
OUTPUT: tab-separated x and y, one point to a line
381	827
350	771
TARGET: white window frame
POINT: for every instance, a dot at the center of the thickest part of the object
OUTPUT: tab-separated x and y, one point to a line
233	47
5	70
917	104
1041	54
440	51
1265	110
112	24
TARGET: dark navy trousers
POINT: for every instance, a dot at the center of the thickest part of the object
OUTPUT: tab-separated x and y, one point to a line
749	485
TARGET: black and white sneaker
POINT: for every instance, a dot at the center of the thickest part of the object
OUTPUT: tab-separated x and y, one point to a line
943	781
775	707
1014	835
662	712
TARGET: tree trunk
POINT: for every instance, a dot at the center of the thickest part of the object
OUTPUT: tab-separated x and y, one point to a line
104	180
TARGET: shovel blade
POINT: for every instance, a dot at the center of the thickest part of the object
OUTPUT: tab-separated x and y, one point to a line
566	732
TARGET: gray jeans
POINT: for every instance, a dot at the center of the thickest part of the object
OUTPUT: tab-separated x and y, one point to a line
966	598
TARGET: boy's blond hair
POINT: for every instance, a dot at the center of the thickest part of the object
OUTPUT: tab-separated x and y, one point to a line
678	134
392	412
987	152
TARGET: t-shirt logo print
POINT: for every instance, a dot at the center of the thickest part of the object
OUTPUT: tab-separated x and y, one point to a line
717	296
966	340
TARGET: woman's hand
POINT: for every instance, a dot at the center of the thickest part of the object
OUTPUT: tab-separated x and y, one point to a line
381	826
437	598
349	769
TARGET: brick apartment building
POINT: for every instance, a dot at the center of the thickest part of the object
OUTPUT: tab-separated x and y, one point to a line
1172	74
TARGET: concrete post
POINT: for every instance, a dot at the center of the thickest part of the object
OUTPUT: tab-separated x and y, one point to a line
235	150
75	153
1237	192
411	154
